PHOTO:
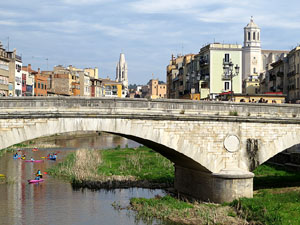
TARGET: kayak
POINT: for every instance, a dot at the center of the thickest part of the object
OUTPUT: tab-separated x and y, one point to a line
35	181
37	161
2	175
16	157
52	158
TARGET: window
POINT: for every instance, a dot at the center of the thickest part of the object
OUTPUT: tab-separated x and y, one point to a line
249	36
39	85
226	57
226	86
254	70
45	86
42	86
253	35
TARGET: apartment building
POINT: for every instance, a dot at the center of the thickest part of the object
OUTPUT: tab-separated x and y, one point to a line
4	71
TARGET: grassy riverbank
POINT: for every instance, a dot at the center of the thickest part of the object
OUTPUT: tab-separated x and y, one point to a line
276	201
12	148
113	168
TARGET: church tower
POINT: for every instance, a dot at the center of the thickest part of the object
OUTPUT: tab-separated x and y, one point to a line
251	50
121	73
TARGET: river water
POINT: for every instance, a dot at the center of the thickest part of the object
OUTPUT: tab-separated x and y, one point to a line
54	201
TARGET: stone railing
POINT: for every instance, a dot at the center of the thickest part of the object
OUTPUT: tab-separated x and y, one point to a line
182	108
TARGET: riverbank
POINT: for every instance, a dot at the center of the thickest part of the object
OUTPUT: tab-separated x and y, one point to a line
276	200
116	168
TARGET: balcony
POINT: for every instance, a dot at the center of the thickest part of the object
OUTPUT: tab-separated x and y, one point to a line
204	62
226	77
272	77
290	74
280	74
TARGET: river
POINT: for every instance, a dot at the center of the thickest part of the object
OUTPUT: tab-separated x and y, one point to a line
54	201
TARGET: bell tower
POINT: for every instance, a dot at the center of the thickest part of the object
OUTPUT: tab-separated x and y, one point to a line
251	50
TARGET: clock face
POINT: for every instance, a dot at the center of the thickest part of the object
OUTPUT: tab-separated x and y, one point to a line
254	61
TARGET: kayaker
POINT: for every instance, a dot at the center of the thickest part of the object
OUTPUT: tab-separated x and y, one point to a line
37	178
32	159
39	174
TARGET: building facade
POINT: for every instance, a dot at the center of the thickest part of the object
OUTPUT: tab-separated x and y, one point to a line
4	71
15	74
213	57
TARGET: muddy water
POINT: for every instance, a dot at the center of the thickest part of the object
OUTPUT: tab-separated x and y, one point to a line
54	201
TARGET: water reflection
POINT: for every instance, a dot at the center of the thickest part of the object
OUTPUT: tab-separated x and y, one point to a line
54	201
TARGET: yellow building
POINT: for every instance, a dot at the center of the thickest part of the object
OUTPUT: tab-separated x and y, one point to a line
112	88
93	73
254	98
156	89
251	85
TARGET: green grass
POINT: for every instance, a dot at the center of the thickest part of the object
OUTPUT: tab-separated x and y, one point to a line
12	148
143	163
272	204
64	169
269	176
161	208
270	208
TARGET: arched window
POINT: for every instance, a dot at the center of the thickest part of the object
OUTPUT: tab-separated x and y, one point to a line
249	36
253	35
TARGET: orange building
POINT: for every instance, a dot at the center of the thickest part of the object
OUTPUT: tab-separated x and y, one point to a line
76	88
40	84
157	89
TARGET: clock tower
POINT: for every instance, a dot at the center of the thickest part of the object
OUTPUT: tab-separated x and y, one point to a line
251	50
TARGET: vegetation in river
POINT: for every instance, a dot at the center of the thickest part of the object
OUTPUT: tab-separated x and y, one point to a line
172	209
117	167
7	180
12	148
142	163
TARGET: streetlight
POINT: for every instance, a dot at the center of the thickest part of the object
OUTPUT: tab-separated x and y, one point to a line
228	73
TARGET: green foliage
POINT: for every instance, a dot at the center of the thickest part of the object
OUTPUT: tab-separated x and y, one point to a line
233	113
267	176
64	169
270	208
143	163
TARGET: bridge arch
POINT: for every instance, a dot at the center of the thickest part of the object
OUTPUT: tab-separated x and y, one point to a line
156	139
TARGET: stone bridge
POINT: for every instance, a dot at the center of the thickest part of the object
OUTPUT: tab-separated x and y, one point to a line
214	145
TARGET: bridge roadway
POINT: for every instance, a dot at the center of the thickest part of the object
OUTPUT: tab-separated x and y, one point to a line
214	145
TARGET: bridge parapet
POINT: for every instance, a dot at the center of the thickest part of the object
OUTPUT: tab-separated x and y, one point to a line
182	108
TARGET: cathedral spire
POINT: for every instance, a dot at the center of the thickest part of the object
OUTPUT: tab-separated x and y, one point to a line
121	72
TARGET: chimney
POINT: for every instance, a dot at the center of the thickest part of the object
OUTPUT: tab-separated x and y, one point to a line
29	67
39	71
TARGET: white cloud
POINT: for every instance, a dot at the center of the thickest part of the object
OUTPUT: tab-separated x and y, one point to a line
8	23
83	2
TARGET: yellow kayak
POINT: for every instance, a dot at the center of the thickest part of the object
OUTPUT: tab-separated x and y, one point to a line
2	175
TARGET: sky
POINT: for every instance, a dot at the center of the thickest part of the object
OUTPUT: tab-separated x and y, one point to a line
93	33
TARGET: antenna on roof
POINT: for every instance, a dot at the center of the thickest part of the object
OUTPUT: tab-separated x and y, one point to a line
8	44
